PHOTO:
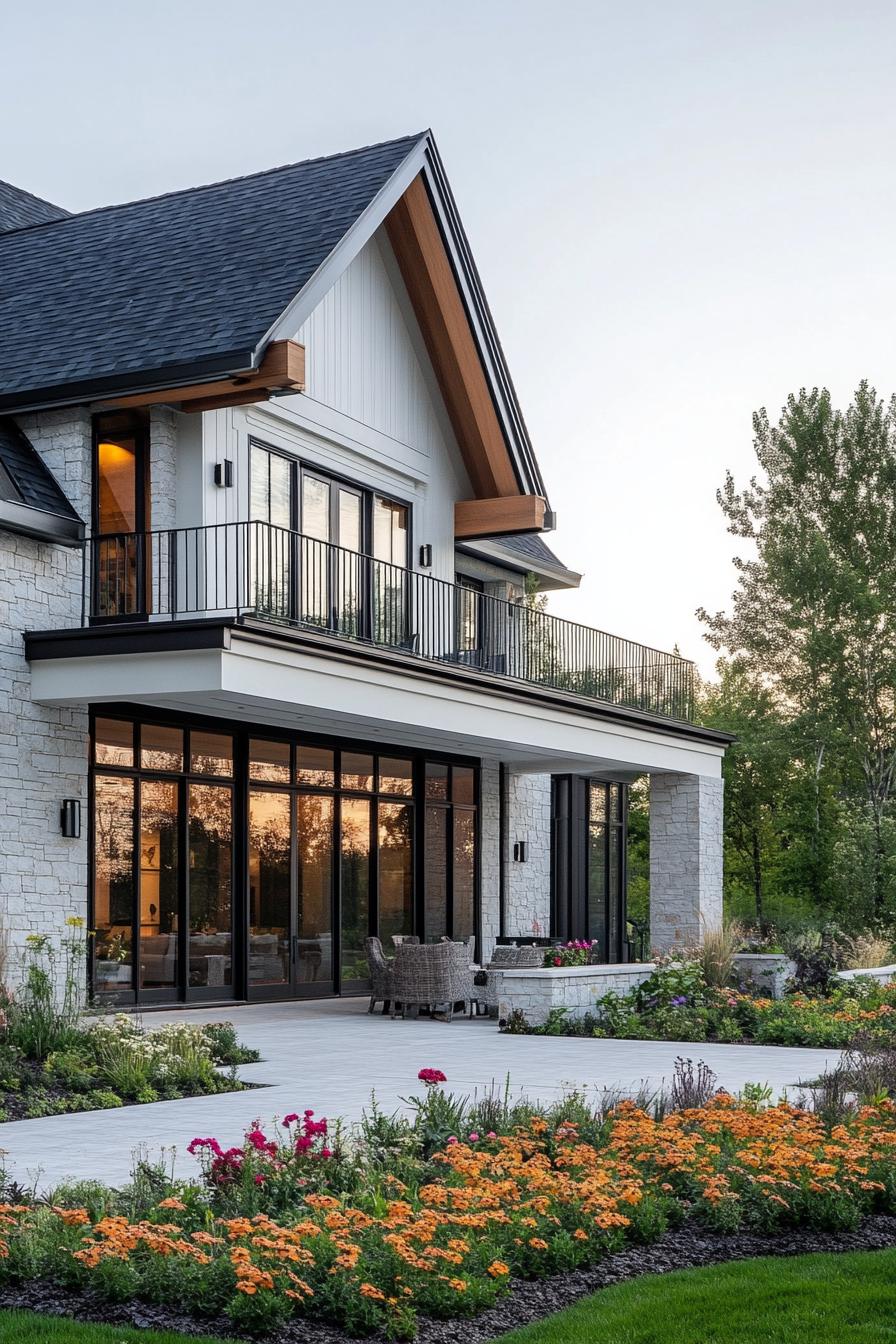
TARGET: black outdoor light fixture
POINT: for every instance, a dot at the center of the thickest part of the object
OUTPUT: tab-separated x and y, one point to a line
425	555
520	848
70	818
224	473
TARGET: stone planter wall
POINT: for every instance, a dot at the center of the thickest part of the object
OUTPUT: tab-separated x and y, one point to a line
576	988
882	973
768	972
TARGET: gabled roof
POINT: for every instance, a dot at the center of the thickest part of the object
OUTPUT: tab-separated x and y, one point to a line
191	278
31	499
19	209
195	285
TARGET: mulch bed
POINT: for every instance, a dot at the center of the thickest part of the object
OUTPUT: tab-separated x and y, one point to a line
528	1301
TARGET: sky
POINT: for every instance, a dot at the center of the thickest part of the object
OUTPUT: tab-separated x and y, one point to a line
681	212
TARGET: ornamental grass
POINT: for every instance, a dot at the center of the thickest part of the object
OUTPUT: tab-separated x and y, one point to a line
368	1241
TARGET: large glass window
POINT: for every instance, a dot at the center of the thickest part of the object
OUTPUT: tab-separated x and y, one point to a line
210	869
270	916
355	874
119	492
172	921
396	885
314	947
113	883
159	896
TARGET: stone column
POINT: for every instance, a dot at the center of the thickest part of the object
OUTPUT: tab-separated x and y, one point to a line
685	858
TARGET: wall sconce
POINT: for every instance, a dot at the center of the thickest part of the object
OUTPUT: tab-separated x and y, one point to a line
70	818
425	556
224	473
520	848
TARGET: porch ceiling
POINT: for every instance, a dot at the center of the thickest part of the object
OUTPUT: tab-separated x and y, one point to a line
332	691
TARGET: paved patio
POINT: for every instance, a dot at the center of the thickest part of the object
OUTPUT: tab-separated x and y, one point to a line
330	1055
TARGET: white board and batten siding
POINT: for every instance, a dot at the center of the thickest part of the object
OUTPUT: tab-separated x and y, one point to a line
372	411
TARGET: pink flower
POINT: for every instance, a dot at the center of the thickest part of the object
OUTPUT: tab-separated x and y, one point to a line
326	1152
452	1140
491	1135
432	1077
474	1137
290	1119
259	1179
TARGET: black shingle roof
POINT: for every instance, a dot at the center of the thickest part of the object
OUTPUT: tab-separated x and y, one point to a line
19	209
162	284
35	485
529	546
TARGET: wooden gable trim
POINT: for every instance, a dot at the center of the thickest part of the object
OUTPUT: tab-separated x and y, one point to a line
281	370
498	517
425	267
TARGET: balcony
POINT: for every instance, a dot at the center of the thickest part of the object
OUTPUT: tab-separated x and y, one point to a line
254	571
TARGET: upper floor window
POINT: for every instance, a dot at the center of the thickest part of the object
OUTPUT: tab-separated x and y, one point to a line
286	493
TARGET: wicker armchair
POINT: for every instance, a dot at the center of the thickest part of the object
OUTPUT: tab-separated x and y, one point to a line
381	975
431	976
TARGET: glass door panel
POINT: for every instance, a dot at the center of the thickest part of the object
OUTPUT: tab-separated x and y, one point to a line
314	927
315	552
159	810
390	549
113	884
355	866
210	901
349	563
463	902
396	873
271	540
270	899
435	913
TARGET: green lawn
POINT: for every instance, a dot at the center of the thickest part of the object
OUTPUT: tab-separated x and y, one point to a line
813	1299
25	1327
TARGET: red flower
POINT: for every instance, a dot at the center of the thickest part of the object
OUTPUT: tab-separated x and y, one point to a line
432	1077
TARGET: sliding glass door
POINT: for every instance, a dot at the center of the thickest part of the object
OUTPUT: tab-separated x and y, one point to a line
232	864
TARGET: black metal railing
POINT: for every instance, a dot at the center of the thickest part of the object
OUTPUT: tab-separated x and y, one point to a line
271	573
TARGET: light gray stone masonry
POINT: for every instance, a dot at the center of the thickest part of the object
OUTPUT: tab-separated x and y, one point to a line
685	858
528	910
535	993
162	467
43	750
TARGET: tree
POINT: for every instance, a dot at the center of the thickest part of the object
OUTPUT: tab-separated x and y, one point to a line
757	773
814	612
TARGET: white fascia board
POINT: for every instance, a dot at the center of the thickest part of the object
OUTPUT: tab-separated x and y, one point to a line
364	700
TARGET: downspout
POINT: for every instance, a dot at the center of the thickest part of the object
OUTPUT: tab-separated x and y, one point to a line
502	850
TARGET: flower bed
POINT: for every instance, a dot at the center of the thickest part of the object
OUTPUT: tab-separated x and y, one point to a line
116	1063
404	1219
675	1004
51	1063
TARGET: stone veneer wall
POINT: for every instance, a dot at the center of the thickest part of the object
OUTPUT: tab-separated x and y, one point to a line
529	883
535	993
685	858
43	750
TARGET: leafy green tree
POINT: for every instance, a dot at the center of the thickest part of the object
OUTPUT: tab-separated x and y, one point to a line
814	611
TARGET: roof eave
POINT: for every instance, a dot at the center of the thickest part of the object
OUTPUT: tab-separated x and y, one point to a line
142	380
41	524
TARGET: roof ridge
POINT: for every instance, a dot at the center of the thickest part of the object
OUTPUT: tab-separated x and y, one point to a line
209	186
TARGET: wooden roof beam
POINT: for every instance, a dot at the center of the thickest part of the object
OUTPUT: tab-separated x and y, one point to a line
498	517
426	269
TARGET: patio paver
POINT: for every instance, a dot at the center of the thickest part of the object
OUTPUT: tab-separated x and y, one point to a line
330	1055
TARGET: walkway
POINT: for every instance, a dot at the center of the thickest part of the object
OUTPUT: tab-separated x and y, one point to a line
330	1055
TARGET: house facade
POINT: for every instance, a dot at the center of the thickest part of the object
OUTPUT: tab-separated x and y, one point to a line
276	670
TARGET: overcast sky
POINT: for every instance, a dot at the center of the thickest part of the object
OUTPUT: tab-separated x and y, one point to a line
681	212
